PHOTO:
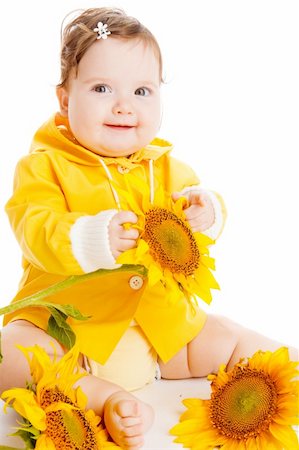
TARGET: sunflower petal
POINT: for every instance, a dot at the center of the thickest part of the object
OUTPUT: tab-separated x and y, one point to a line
193	402
24	402
187	427
285	435
44	443
154	275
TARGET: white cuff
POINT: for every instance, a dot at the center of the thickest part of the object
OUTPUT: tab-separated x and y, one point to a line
214	230
90	241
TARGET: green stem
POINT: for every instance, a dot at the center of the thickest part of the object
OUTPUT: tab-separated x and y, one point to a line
64	284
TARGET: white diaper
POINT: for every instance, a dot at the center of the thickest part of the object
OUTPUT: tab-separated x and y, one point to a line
133	363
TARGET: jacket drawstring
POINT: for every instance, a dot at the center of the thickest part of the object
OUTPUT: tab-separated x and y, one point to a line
151	180
114	192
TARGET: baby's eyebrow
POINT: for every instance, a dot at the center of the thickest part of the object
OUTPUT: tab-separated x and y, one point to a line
147	83
96	80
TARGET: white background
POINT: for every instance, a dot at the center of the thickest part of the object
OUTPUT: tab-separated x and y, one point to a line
230	108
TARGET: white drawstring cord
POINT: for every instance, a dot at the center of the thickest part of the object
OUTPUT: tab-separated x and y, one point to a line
152	181
115	194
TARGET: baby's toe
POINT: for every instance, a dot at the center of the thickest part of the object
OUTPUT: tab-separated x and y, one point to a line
135	430
130	421
133	442
127	408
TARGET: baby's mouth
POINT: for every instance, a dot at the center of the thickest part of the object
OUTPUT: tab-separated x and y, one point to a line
119	126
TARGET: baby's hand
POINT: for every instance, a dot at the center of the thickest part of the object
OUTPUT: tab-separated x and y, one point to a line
199	211
122	239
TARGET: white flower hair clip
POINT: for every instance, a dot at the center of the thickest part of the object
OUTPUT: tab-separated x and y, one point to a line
102	31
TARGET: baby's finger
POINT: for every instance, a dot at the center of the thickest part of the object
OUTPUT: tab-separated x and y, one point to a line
126	216
131	233
193	212
198	228
197	222
196	198
125	244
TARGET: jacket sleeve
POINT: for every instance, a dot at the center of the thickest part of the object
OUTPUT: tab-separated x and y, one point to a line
43	224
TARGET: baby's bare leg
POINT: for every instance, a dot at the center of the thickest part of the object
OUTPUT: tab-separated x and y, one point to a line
126	417
221	341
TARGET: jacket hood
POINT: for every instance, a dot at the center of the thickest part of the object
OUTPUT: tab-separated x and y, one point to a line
55	135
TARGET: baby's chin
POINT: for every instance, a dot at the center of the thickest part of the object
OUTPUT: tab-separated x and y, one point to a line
115	154
110	153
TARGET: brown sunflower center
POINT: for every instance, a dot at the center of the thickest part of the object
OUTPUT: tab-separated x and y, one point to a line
244	407
171	241
68	429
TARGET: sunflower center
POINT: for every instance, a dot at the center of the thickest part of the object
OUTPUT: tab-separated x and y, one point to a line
171	241
67	428
244	407
73	424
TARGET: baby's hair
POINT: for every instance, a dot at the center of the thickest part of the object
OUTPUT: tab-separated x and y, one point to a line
79	35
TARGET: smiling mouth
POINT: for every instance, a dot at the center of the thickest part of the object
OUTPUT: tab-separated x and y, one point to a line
119	127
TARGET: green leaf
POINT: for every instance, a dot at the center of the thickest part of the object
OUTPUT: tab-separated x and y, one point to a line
28	433
26	437
68	310
59	329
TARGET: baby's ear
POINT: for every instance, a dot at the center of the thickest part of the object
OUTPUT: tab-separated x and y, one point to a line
63	99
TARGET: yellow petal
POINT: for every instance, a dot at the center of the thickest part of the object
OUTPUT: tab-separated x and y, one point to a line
24	402
234	445
210	438
285	435
186	427
204	274
127	257
200	413
142	248
193	402
203	240
208	261
220	379
154	275
251	444
60	406
44	443
266	440
81	399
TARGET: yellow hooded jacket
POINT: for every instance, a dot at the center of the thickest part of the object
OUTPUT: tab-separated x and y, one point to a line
60	181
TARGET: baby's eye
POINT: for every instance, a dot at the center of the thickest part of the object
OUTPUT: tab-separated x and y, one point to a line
102	88
143	91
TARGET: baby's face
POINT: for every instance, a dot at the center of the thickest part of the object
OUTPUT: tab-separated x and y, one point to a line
113	104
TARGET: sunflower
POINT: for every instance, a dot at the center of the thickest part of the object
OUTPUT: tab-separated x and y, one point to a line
252	407
167	247
55	416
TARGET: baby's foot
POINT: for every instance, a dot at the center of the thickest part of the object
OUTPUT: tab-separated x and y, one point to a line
127	419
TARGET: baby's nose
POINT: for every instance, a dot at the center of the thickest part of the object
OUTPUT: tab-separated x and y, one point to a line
123	106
